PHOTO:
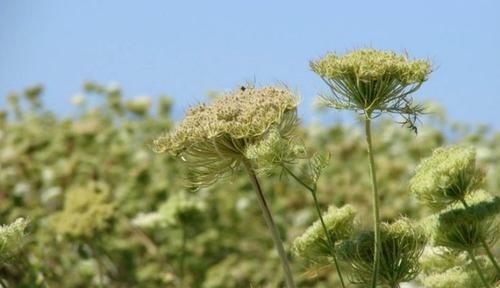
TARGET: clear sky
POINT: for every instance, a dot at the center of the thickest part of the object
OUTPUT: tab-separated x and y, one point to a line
185	48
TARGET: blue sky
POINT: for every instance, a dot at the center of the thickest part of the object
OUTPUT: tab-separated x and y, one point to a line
186	48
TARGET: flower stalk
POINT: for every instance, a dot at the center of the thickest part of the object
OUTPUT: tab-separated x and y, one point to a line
270	224
375	200
478	268
331	243
484	244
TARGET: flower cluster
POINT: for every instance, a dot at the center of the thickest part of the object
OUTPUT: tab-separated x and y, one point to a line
370	80
340	225
11	237
446	177
213	139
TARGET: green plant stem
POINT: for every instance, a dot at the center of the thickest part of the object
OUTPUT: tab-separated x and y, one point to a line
271	225
478	268
376	213
318	210
485	245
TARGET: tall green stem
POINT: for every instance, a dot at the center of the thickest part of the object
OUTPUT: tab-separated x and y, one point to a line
478	268
485	245
331	243
376	213
271	225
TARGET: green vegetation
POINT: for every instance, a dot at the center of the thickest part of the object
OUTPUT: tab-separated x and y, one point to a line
88	200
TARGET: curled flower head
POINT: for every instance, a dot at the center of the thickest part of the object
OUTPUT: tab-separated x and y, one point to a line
446	177
314	243
463	229
402	243
213	139
370	80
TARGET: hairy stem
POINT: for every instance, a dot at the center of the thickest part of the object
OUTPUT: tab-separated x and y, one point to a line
271	225
485	245
376	213
478	268
318	210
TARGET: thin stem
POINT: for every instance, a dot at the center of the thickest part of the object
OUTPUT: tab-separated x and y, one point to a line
271	225
331	243
478	268
376	213
485	245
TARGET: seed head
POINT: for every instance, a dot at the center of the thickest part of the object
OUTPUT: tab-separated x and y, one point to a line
213	139
446	177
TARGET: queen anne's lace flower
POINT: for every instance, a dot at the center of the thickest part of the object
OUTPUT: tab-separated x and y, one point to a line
370	80
213	139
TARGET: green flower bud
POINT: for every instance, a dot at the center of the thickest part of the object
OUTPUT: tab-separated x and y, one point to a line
314	243
446	177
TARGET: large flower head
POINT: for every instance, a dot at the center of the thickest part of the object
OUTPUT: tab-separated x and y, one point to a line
213	139
446	177
370	80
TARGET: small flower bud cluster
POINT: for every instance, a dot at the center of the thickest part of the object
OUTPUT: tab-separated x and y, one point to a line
340	225
446	177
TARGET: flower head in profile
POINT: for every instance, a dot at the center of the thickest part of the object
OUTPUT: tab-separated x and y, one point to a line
213	140
446	177
314	243
373	81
